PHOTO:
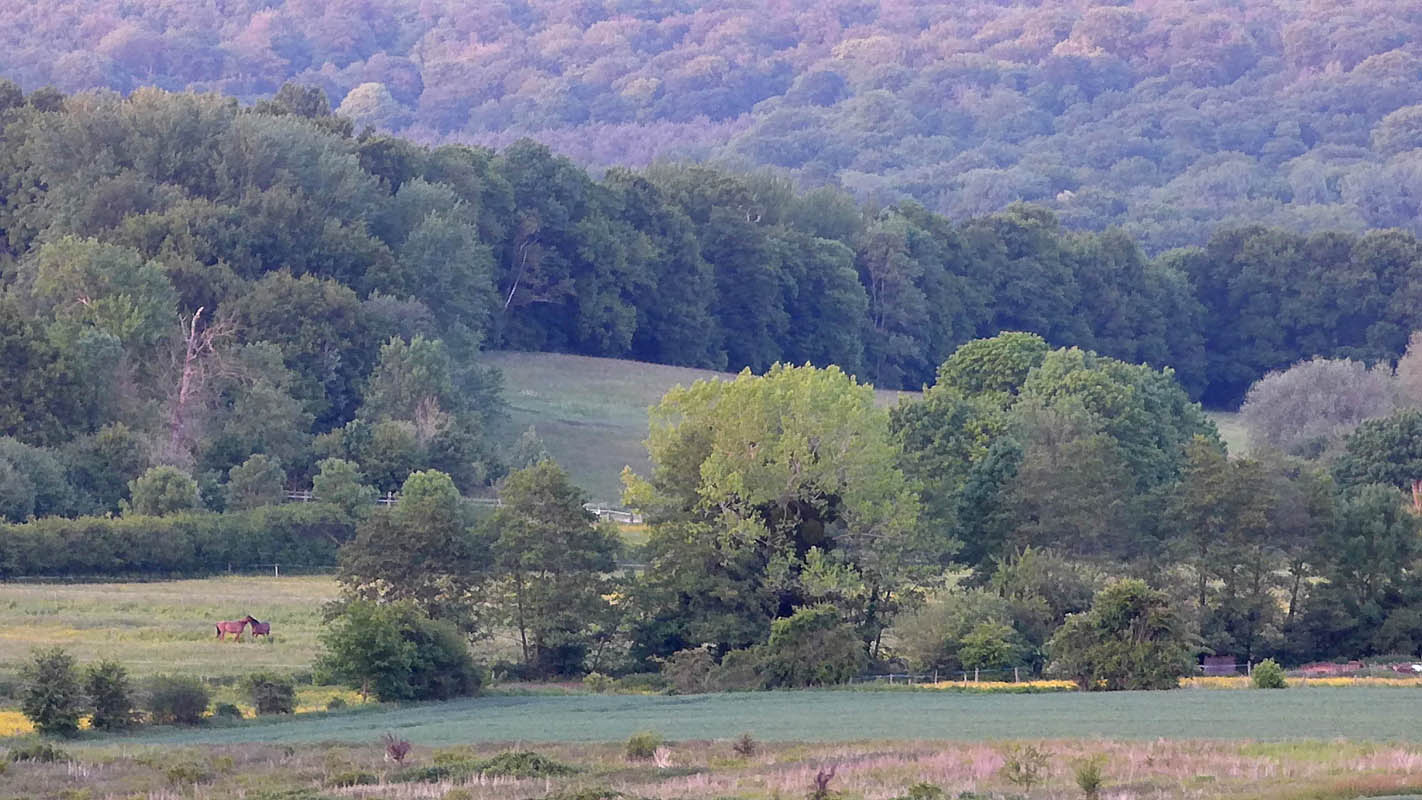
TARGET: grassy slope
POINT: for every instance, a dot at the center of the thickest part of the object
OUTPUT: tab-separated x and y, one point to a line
592	412
1325	713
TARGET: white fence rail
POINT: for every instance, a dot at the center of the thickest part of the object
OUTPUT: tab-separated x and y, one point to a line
602	510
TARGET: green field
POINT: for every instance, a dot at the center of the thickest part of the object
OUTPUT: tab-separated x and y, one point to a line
165	626
1325	713
592	412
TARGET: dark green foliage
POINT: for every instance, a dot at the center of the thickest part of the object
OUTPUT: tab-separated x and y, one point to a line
162	491
642	746
270	693
52	698
1130	639
226	712
512	764
395	652
298	535
176	700
812	647
110	696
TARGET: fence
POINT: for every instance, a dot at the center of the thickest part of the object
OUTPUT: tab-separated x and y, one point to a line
602	510
965	677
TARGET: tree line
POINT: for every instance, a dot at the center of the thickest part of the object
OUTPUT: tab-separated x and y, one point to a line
193	284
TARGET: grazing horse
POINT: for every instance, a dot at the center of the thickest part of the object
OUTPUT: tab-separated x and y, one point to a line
260	628
234	627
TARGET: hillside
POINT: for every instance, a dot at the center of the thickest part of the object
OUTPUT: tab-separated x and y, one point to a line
1165	117
591	413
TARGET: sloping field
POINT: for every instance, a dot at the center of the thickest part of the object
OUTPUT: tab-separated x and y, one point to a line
1378	714
592	412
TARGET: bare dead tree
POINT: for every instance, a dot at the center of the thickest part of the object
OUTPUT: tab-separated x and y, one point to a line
199	362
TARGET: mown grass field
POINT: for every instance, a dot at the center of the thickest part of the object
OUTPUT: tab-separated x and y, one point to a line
166	626
1365	713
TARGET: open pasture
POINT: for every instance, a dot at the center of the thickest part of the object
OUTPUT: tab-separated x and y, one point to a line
166	626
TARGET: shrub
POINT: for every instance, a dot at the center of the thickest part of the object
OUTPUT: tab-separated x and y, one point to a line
643	682
52	699
270	693
394	651
598	682
812	647
1130	639
110	696
524	764
227	712
354	778
1089	776
745	746
176	699
187	772
922	791
643	746
38	752
1023	765
1267	674
335	704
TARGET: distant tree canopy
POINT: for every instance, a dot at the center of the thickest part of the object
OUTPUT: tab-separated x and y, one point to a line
1165	119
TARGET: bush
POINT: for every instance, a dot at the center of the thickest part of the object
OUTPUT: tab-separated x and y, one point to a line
335	704
1024	765
394	651
1089	776
745	746
354	778
1130	639
1267	674
187	772
642	746
227	712
38	752
643	682
812	647
52	699
598	682
524	764
176	699
270	693
923	791
110	696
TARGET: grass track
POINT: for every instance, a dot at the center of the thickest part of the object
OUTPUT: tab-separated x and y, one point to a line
1357	713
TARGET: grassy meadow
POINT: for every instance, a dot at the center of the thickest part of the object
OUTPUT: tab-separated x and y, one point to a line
166	626
713	769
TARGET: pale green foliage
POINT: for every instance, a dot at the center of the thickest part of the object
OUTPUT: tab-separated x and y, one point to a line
935	635
258	481
104	286
812	647
341	483
395	652
162	490
1024	765
1090	775
988	645
1267	674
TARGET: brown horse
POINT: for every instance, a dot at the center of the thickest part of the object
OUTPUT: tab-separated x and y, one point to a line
234	627
260	628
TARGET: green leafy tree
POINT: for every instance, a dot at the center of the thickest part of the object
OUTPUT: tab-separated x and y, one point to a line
160	491
422	550
553	559
1374	544
1386	450
989	645
341	483
258	481
110	695
749	475
1130	639
394	652
52	698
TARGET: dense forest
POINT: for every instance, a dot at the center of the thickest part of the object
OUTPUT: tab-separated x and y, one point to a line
1166	118
206	304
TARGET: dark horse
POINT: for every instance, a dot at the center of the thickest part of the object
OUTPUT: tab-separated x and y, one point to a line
234	627
260	628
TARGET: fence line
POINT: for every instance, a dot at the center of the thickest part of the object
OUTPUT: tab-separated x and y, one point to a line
602	510
965	677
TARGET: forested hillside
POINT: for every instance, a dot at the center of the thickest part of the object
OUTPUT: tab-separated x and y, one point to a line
1168	118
